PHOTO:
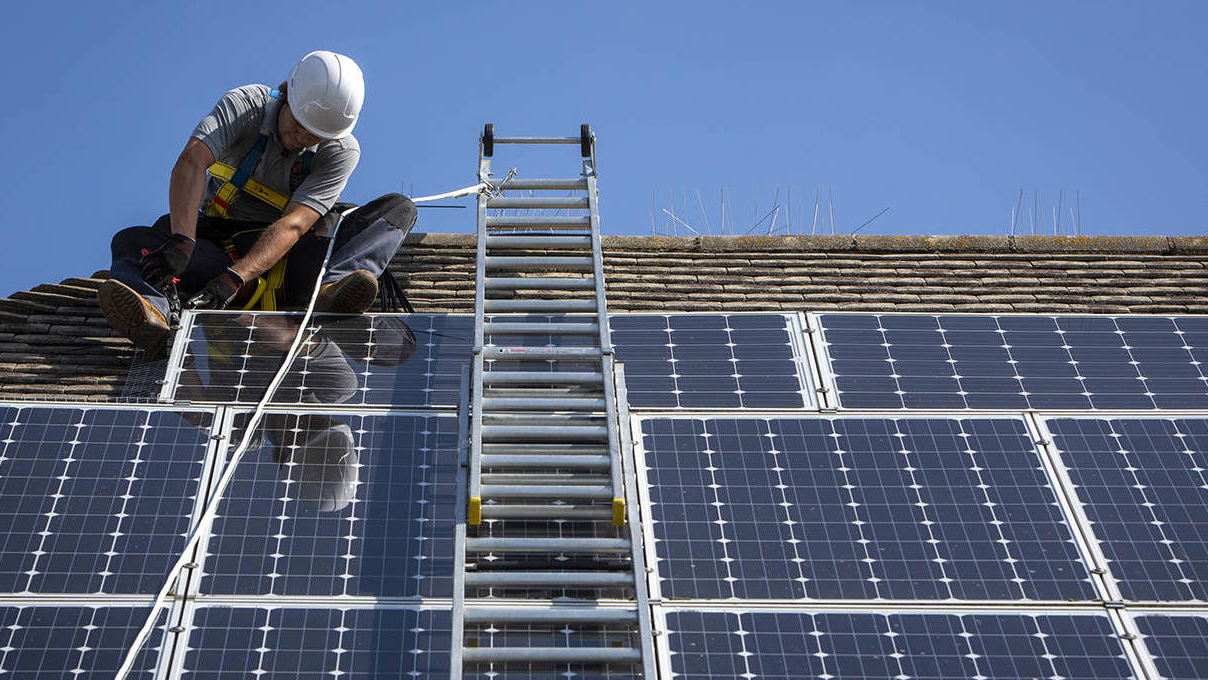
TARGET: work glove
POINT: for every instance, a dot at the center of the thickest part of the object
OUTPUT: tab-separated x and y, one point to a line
166	262
218	292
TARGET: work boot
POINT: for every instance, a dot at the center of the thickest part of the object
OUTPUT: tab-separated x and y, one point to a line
133	317
352	294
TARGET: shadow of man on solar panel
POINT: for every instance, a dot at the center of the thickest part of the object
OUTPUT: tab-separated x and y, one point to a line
314	451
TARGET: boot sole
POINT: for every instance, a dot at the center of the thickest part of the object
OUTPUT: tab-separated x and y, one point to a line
353	294
127	314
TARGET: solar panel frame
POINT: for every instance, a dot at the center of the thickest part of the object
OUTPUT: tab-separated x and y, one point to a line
206	577
147	414
1115	583
1146	401
1066	516
1109	623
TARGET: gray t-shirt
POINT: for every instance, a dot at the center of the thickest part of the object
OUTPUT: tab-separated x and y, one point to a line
231	130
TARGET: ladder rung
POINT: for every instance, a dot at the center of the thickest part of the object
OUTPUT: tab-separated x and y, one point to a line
539	306
541	352
538	404
543	392
545	449
539	328
548	545
585	655
545	477
567	512
523	461
539	202
575	222
536	184
540	283
558	419
557	433
588	579
598	615
536	140
524	242
496	491
541	263
542	378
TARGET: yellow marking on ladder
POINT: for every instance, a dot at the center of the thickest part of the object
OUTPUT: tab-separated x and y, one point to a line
618	512
475	510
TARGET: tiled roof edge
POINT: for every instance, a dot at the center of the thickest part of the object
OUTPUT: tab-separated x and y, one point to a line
875	243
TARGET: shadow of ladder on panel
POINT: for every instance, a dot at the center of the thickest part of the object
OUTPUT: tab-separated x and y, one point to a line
549	575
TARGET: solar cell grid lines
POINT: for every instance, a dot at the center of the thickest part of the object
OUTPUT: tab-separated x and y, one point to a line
856	509
1178	643
95	500
1143	484
398	360
291	643
1017	362
705	645
73	641
339	504
710	361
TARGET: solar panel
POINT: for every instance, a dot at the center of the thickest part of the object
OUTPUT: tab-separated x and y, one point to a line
414	360
86	642
339	504
1178	644
398	360
856	508
313	641
710	361
788	645
954	361
1143	484
96	500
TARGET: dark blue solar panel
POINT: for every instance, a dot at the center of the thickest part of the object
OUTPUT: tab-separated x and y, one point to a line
1143	483
784	646
95	500
399	359
1016	362
405	360
280	533
856	509
1178	644
229	643
38	642
708	361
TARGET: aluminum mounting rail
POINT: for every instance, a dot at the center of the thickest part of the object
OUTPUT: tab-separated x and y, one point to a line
549	574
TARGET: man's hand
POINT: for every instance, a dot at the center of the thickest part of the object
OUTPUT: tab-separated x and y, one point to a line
218	293
166	262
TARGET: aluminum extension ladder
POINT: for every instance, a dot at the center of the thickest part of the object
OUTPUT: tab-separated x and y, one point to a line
549	575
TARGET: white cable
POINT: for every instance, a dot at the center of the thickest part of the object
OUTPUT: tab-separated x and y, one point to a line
211	507
458	193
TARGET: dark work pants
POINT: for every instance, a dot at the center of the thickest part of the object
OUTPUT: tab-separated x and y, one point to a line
368	239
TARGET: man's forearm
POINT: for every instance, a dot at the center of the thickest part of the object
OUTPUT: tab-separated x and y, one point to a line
272	245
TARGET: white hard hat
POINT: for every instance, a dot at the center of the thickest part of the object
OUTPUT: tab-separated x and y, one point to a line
326	91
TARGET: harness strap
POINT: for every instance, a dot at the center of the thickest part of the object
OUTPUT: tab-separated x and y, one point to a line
240	179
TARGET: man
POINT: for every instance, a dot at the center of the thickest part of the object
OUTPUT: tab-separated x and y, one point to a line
257	181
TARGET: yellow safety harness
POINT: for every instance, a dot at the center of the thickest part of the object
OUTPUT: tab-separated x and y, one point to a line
237	179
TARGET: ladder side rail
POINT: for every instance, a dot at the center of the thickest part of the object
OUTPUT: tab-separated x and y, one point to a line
459	526
605	342
474	498
630	464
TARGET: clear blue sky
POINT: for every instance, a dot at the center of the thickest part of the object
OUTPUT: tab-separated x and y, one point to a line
941	111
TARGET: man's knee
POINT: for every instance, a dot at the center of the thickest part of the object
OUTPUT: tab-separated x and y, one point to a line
396	209
131	241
